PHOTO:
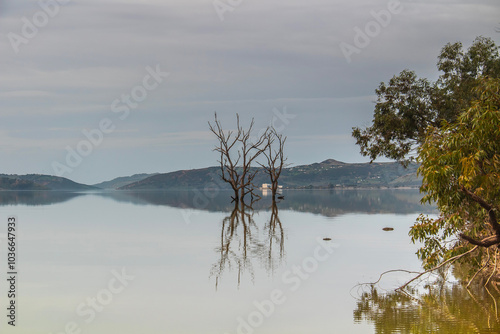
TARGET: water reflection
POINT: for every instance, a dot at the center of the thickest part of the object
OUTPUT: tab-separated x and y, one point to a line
75	240
442	308
330	203
243	244
34	198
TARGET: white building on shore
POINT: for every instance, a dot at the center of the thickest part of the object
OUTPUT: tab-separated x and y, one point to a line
268	187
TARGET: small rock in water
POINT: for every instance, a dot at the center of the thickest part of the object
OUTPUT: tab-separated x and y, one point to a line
388	229
327	239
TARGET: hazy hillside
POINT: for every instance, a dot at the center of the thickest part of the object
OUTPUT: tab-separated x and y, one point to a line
40	182
333	174
122	181
183	179
7	183
327	174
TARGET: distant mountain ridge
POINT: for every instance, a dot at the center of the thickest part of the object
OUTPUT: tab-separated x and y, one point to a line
327	174
183	179
122	181
8	183
324	175
40	182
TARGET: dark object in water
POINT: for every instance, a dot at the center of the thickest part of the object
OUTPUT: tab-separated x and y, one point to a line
327	239
388	229
281	197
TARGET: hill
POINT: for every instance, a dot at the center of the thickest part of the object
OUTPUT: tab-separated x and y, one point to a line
336	174
122	181
327	174
39	182
7	183
183	179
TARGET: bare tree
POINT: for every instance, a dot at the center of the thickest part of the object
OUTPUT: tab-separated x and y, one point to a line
275	157
238	150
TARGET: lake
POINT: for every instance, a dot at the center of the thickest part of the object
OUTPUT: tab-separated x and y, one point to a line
187	262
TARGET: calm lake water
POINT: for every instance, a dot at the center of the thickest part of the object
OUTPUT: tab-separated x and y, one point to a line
186	262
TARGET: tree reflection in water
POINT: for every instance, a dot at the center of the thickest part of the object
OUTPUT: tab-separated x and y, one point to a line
441	308
242	243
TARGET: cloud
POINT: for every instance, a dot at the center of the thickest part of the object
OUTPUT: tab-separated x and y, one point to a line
9	142
264	55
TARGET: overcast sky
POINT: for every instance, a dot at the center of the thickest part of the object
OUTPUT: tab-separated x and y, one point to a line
101	66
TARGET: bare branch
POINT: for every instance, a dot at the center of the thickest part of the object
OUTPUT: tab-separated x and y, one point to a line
437	267
489	208
486	242
481	269
275	158
494	269
419	274
237	153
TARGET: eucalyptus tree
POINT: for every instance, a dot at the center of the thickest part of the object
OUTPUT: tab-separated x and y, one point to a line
460	165
452	128
407	105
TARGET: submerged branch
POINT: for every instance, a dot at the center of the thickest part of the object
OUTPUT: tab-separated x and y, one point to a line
481	269
437	267
494	269
419	274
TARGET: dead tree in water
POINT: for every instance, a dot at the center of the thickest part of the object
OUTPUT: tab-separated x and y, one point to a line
238	150
275	158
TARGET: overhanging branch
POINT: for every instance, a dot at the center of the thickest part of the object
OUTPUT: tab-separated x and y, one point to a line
485	205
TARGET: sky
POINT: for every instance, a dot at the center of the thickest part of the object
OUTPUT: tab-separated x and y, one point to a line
93	90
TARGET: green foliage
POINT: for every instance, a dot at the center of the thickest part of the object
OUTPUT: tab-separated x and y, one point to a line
407	105
402	113
460	165
453	125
